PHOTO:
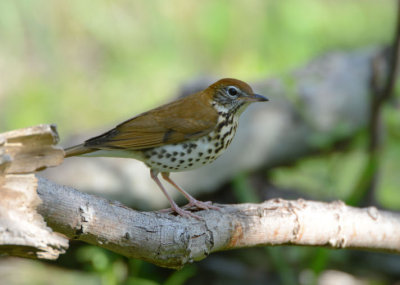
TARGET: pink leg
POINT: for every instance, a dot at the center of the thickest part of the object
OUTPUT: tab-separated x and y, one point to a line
191	199
174	206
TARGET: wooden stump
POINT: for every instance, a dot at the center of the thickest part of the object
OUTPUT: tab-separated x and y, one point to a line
23	232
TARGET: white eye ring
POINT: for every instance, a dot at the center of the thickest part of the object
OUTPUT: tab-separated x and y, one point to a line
233	91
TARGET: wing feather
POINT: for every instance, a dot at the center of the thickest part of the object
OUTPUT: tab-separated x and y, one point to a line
187	118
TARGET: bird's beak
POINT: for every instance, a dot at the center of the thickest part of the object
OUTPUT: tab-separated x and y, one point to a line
254	98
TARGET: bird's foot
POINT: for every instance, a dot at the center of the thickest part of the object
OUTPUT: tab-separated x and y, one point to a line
181	212
187	214
201	205
192	205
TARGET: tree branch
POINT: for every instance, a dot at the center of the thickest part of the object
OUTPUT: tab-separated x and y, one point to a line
172	241
161	238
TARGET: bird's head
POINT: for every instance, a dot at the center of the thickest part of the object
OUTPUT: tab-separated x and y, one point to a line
232	95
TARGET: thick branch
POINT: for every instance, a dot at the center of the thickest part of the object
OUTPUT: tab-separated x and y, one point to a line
171	241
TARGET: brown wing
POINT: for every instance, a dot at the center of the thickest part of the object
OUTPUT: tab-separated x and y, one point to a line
187	118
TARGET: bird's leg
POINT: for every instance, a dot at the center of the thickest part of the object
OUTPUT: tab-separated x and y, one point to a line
191	199
174	206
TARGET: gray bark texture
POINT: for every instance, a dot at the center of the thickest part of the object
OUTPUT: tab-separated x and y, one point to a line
173	241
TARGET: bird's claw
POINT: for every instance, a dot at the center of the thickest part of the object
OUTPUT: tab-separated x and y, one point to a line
201	205
192	205
181	212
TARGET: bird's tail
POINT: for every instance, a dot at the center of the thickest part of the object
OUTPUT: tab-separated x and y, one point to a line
77	150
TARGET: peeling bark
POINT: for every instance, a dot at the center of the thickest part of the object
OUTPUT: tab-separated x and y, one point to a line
23	231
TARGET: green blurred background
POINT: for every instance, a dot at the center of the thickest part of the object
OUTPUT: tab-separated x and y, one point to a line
84	65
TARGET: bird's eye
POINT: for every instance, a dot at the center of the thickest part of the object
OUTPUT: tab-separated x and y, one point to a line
233	91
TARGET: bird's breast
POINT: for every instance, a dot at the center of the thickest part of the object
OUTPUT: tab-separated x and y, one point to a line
194	153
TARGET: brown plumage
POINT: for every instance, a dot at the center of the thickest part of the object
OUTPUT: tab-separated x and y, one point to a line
205	120
170	123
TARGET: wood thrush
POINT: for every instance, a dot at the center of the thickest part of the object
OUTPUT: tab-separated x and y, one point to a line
179	136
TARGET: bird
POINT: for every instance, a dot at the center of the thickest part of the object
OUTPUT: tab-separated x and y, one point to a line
182	135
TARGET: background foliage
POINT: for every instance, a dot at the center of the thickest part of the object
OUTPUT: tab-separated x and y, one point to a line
107	60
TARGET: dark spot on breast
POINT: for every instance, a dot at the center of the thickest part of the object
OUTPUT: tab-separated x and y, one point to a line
228	133
175	153
154	152
173	159
220	126
182	153
207	157
190	164
165	166
185	145
168	155
217	150
200	154
160	156
190	159
216	144
197	159
209	150
163	151
181	161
